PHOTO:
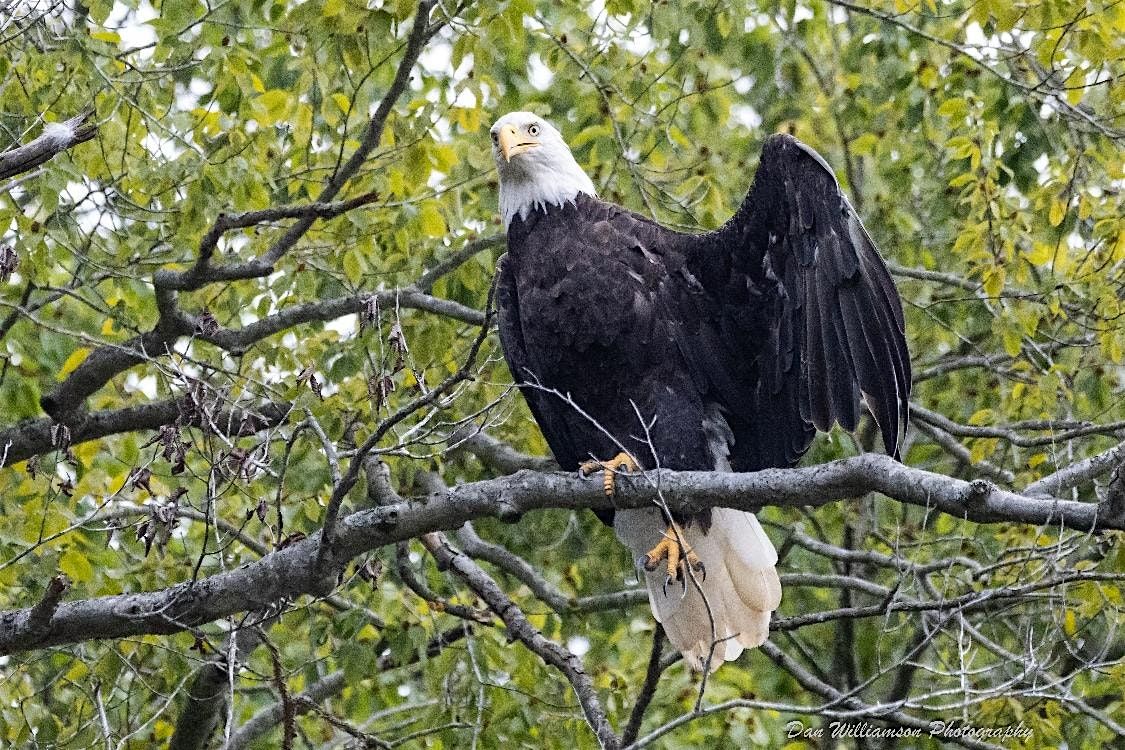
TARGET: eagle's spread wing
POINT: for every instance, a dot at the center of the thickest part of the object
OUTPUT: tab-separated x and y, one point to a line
795	277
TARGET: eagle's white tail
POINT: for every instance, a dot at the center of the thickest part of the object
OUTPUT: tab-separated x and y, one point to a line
741	588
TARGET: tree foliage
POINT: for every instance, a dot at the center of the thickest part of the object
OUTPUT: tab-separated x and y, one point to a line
256	298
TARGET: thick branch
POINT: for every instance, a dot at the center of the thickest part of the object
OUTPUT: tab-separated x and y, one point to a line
227	222
293	571
209	692
39	617
35	437
1079	472
55	138
103	363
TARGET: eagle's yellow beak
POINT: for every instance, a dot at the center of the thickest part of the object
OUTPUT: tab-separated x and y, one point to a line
510	143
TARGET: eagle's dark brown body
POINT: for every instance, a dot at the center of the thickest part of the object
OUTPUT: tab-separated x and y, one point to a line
700	337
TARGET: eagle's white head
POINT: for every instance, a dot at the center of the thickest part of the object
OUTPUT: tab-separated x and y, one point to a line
535	165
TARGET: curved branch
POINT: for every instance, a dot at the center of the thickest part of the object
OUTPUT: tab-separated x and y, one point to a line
208	694
36	437
294	570
110	360
520	628
203	273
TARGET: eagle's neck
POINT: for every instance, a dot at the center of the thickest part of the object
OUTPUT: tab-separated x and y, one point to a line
544	179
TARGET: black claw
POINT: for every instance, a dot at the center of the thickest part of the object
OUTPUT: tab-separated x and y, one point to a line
667	580
702	570
683	586
649	564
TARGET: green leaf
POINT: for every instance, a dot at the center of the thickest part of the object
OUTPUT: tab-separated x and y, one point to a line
76	566
353	268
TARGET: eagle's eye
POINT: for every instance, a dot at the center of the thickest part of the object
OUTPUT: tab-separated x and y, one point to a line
533	129
495	138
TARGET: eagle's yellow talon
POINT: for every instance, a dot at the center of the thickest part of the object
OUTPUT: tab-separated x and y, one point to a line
622	462
677	558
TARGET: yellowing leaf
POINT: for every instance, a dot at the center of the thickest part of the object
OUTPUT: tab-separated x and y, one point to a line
994	281
865	144
271	106
77	357
983	416
982	449
1085	207
396	182
445	158
342	102
468	118
86	452
1058	212
1119	246
961	180
1070	622
431	220
353	270
955	107
106	36
1040	253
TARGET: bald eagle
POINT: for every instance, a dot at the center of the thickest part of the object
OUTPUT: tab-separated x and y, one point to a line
637	347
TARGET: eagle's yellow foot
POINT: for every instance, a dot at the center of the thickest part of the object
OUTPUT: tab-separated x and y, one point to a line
678	558
622	462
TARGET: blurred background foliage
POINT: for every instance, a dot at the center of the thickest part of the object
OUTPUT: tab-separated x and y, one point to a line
981	142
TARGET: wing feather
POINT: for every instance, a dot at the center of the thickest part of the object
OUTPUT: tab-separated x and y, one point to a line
547	411
824	316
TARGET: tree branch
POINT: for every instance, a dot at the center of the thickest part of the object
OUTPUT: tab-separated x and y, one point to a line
203	273
812	683
648	688
209	692
1037	91
35	437
330	685
110	360
519	627
1079	472
497	454
293	570
471	248
55	138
